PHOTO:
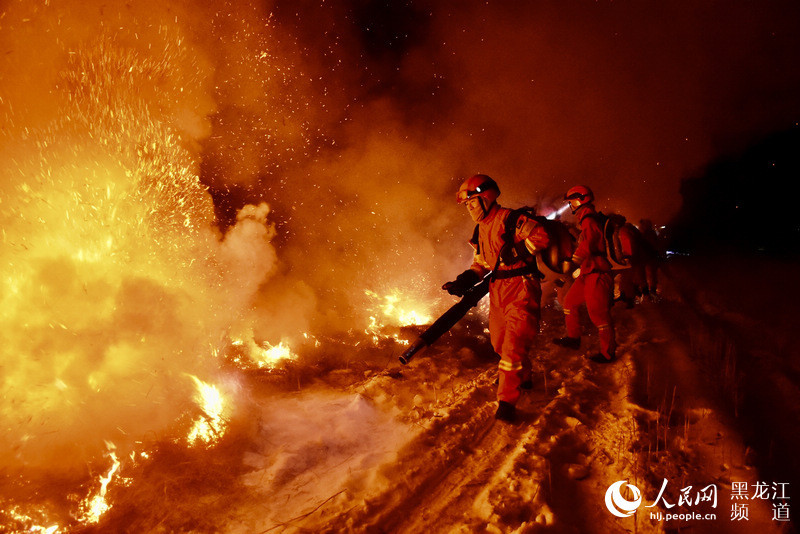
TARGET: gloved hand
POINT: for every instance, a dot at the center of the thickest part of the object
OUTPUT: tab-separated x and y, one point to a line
462	283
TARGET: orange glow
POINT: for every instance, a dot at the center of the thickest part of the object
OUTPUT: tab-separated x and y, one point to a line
394	310
95	506
398	309
16	515
263	355
210	426
115	283
114	280
104	219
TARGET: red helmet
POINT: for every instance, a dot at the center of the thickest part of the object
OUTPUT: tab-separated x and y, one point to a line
479	185
579	196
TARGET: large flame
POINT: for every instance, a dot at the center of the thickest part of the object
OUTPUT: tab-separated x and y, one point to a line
114	280
399	309
210	426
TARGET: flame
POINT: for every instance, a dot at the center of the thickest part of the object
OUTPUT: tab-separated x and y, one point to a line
393	309
270	355
17	516
103	280
113	276
209	427
94	507
264	355
394	313
309	337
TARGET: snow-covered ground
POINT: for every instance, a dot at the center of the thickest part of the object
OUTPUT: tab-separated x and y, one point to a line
698	418
673	412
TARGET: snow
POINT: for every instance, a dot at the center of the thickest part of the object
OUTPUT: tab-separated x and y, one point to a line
443	464
315	442
374	446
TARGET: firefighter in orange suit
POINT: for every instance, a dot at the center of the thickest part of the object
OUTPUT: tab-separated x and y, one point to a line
593	285
504	242
652	258
625	279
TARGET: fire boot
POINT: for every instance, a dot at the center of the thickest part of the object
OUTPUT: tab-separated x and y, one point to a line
505	411
573	343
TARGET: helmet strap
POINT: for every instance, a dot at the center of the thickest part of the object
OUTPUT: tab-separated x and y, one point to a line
580	207
483	206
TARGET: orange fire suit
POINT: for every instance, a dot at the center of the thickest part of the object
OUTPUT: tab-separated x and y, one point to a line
594	286
514	299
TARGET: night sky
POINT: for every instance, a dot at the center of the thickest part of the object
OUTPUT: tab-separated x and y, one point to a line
630	98
370	113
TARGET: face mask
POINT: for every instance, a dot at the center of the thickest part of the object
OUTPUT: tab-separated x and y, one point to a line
475	209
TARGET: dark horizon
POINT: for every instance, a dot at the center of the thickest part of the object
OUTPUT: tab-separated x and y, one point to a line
743	202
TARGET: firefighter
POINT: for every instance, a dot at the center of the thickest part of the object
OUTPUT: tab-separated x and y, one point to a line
625	280
593	285
565	282
504	242
652	258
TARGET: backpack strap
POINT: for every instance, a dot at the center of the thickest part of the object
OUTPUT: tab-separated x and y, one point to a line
475	240
509	251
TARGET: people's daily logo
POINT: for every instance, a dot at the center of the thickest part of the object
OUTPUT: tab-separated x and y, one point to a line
619	505
696	503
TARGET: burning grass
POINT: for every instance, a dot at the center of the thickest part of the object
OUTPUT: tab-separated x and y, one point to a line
179	489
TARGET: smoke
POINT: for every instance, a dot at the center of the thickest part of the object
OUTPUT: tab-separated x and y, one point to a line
370	227
117	286
629	99
313	446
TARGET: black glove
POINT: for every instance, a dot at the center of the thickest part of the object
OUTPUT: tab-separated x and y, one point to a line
462	283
